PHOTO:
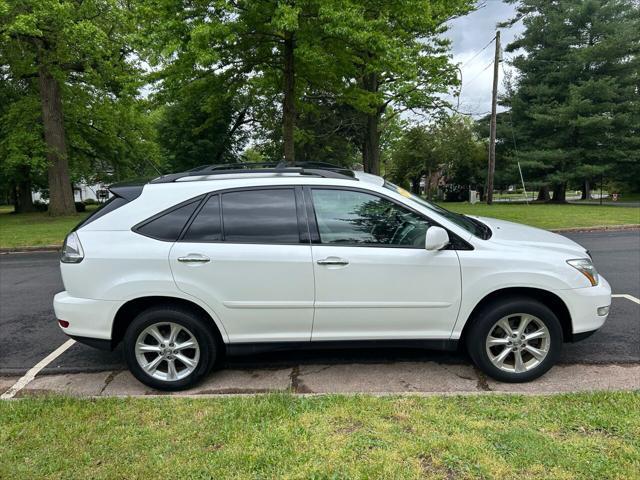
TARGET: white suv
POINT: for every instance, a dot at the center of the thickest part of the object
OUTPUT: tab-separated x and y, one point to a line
214	261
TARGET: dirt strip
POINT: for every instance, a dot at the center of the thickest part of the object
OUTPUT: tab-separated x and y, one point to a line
380	379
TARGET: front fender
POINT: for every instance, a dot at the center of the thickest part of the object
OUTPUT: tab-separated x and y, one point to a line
485	272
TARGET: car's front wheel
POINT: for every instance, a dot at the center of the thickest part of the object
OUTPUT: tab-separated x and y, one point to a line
515	340
169	348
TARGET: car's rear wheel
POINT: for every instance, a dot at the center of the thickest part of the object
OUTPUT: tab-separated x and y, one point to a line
515	340
169	348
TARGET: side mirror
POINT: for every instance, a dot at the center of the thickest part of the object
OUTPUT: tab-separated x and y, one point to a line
437	238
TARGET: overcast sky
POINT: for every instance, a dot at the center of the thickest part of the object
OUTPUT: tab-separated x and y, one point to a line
469	34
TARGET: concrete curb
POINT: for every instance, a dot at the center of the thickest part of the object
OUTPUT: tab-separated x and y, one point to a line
32	249
598	228
403	378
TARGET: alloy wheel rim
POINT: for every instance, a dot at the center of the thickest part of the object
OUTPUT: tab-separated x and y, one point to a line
518	343
167	351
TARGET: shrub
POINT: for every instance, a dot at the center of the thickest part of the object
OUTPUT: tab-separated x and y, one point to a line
80	207
90	201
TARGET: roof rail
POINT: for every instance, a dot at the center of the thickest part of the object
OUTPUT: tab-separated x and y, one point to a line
316	169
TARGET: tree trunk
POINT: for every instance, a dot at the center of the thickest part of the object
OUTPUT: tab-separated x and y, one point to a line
543	194
371	150
586	190
415	185
427	185
229	136
60	192
560	193
23	201
371	143
288	104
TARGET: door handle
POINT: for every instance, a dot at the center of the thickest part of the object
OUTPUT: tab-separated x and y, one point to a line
194	258
333	261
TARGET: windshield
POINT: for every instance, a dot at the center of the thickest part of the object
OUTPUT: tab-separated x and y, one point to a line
471	225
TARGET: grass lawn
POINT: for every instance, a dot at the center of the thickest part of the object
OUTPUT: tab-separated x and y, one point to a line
284	436
552	216
34	229
37	229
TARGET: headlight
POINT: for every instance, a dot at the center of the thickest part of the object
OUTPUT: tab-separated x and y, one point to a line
585	267
72	249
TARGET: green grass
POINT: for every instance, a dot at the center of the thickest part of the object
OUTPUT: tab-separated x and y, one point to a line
38	229
284	436
552	216
34	229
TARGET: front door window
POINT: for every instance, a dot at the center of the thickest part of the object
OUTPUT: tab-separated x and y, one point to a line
347	217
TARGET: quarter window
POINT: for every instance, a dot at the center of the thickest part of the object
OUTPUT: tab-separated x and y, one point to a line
169	225
260	216
355	218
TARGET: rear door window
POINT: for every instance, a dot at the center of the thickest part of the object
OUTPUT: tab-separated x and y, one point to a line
207	226
260	216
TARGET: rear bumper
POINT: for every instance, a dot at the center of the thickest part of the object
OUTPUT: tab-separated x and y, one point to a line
583	304
90	319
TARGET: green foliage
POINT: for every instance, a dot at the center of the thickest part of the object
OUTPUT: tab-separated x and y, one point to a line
576	108
448	147
86	46
400	43
337	44
201	125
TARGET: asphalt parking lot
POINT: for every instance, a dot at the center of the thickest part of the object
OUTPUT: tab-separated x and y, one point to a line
29	331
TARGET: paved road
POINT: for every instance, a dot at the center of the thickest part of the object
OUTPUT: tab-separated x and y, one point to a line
28	330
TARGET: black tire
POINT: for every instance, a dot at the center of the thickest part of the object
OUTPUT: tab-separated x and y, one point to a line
200	329
483	323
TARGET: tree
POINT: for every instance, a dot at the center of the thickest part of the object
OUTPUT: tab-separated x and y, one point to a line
200	124
576	108
400	59
267	52
415	157
462	153
310	55
21	148
72	59
447	148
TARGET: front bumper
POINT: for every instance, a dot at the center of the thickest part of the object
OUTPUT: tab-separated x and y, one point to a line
87	318
583	304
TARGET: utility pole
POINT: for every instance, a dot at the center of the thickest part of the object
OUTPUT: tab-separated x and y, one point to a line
492	134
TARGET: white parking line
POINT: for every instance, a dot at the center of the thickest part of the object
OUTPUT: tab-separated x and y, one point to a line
31	374
627	296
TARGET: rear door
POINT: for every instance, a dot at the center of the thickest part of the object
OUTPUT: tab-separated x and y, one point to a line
374	278
246	253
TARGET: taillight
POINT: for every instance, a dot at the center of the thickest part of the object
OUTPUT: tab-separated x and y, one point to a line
63	323
72	249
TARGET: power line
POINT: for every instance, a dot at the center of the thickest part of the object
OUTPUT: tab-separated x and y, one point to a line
478	75
479	52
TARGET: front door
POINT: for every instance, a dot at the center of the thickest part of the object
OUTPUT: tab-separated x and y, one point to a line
242	255
374	278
